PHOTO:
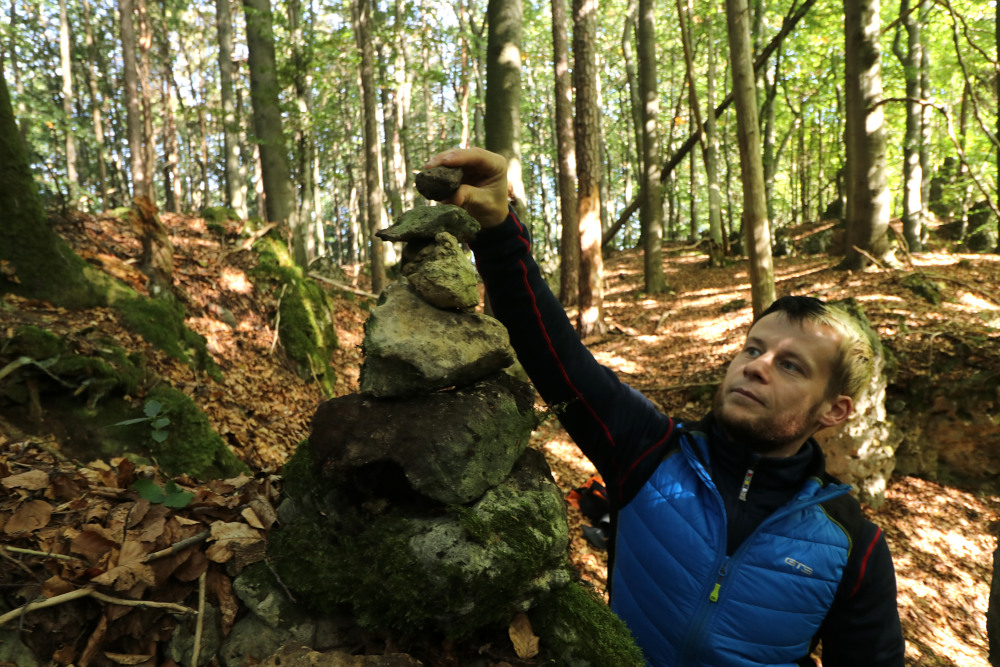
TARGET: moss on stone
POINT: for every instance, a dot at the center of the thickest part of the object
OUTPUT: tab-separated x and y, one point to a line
578	628
305	324
161	322
192	446
218	214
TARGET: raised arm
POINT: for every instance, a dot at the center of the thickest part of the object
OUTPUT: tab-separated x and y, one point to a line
615	426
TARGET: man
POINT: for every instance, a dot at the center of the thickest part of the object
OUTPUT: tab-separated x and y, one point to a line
732	545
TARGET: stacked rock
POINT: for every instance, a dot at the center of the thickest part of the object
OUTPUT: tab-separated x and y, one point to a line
417	502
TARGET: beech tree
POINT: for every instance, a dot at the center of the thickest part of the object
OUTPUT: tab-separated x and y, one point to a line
565	144
867	211
587	129
651	211
755	225
375	213
279	198
503	89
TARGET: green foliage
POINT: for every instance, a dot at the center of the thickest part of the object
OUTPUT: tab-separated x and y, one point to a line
171	495
155	417
193	447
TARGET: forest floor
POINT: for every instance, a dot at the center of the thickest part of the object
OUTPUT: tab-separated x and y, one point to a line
674	347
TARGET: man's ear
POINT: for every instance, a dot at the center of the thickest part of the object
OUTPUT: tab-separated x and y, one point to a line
840	409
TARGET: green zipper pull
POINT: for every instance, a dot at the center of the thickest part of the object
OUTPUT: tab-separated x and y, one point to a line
714	595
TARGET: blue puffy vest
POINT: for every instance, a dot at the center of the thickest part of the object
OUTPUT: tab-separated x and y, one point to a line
688	603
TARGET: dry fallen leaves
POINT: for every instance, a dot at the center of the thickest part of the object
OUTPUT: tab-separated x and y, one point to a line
523	637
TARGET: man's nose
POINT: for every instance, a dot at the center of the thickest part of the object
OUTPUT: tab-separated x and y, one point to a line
759	368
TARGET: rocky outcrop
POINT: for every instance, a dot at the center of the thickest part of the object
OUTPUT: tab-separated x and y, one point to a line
861	451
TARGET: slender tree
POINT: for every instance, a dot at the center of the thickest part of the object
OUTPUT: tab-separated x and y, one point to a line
569	245
133	113
910	58
279	197
503	89
587	128
95	105
755	225
373	165
236	191
69	129
651	211
867	211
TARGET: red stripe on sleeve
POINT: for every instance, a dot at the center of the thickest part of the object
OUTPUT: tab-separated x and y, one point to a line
864	561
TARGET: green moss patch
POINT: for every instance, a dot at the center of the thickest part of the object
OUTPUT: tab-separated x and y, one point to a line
305	312
578	628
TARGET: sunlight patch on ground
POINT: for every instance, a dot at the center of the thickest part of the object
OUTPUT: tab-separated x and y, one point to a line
976	303
235	280
619	364
933	561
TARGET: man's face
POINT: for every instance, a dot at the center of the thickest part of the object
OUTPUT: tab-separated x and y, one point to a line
775	394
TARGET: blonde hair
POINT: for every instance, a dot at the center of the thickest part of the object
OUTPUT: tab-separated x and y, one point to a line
855	363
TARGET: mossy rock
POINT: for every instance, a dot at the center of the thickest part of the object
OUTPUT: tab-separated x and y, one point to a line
411	570
305	314
191	446
578	628
161	322
47	355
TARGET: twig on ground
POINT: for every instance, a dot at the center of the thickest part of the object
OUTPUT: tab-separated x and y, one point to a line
340	285
200	624
178	546
89	591
32	552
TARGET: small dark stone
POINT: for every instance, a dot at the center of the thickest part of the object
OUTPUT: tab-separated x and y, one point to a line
438	183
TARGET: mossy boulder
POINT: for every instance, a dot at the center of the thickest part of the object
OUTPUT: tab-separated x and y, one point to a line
305	311
192	446
411	568
580	629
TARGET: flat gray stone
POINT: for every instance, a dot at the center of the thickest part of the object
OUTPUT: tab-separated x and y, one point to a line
425	222
447	446
411	347
442	274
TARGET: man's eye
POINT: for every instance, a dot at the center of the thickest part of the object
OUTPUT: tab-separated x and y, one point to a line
791	366
751	352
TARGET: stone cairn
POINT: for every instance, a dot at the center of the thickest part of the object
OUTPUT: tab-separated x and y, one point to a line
416	505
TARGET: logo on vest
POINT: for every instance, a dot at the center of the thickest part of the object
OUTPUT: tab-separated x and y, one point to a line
799	567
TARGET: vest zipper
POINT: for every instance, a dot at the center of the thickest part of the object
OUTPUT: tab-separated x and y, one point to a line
746	484
714	595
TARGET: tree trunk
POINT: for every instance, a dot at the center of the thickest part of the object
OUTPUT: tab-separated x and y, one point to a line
630	32
569	267
304	148
146	98
755	225
37	262
279	197
712	149
867	210
651	211
133	115
172	186
235	188
66	64
95	105
373	171
587	128
503	90
910	59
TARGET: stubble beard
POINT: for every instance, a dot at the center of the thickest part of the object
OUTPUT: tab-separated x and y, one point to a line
764	436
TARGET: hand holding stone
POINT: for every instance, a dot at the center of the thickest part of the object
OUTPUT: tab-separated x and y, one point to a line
484	190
